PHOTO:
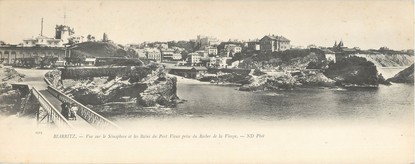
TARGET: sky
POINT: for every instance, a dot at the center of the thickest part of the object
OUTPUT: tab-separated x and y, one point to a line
365	24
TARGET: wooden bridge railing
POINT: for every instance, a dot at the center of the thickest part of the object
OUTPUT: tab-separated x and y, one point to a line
87	114
54	115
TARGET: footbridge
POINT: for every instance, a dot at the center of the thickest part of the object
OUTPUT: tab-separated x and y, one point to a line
50	100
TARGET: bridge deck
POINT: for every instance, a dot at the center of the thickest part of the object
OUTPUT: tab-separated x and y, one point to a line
79	123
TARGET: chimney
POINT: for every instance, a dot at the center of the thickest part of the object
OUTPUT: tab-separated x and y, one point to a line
41	28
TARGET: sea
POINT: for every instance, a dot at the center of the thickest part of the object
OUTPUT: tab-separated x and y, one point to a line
303	125
218	123
205	100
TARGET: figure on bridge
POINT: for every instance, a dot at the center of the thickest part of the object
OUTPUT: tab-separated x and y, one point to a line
69	110
65	110
73	111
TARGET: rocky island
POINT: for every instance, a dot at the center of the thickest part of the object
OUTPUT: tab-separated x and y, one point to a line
305	68
405	76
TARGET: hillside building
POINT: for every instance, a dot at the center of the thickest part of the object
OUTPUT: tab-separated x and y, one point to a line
205	41
272	43
253	46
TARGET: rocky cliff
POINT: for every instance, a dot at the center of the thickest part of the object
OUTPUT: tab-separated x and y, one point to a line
10	99
55	77
146	85
288	81
405	76
389	60
354	71
270	82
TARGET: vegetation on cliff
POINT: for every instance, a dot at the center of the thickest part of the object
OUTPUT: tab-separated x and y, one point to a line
405	76
98	49
354	71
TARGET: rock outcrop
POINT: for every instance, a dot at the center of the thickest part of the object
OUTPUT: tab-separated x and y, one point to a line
354	71
146	85
162	92
389	60
314	79
10	75
55	77
350	72
288	81
10	99
405	76
269	82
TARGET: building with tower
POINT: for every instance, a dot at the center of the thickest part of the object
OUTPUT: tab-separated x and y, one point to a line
64	33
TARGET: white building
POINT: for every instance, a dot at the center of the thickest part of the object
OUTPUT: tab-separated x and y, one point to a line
167	54
202	53
211	50
205	41
330	55
153	54
42	41
232	49
141	53
194	58
222	62
63	32
177	56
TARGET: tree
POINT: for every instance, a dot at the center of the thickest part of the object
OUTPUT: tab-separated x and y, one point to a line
184	54
89	37
237	56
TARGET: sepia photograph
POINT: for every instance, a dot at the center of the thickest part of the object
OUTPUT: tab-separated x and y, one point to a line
207	81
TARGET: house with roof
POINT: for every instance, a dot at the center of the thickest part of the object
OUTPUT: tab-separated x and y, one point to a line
205	41
272	43
232	49
153	54
342	52
167	54
177	56
328	54
254	45
211	50
194	59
